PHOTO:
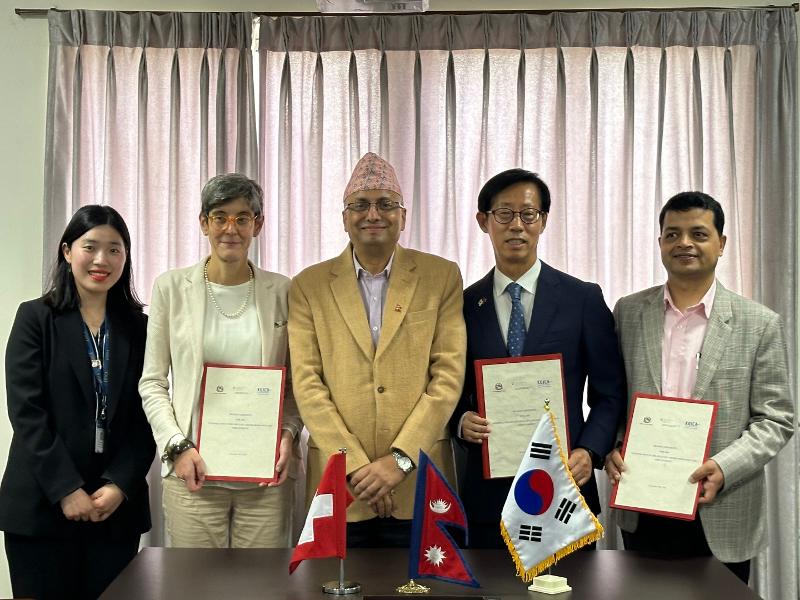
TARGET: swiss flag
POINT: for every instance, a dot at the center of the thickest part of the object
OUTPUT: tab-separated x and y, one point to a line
434	554
324	534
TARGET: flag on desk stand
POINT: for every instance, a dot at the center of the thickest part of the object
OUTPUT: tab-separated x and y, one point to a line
434	553
325	532
545	518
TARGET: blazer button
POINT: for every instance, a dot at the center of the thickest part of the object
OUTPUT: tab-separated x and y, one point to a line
381	389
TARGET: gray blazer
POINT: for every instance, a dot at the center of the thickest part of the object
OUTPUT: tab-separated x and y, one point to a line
743	366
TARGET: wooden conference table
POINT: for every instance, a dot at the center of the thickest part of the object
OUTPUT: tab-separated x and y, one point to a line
197	574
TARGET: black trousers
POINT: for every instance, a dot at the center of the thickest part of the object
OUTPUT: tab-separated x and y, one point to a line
675	538
379	533
65	569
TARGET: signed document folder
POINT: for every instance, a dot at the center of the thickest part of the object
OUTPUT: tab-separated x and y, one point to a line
240	421
666	440
512	393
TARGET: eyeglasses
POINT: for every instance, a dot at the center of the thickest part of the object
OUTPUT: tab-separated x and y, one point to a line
382	205
529	216
221	220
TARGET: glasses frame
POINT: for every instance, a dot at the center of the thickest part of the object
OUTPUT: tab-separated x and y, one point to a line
518	213
231	220
376	204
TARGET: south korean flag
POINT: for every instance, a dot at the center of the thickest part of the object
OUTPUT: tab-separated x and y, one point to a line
545	517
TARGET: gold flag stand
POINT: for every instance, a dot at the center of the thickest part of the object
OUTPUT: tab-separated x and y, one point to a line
412	587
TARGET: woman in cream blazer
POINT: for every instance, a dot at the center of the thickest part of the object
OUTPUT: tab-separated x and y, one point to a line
221	310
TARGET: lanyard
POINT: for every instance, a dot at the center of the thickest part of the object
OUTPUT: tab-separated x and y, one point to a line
98	350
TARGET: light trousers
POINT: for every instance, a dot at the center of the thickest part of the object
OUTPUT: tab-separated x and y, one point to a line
220	517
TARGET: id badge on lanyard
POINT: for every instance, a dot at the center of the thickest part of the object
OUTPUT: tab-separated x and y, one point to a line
98	349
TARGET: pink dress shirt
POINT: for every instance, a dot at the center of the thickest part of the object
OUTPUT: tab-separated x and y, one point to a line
683	341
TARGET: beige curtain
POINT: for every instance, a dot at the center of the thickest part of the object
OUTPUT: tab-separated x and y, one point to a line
616	110
142	109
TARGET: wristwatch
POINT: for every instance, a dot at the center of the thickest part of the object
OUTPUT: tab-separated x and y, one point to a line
403	462
174	450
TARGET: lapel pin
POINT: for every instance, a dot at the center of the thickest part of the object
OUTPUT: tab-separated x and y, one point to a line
481	302
397	308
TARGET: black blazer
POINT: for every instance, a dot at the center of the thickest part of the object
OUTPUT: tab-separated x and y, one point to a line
569	317
51	405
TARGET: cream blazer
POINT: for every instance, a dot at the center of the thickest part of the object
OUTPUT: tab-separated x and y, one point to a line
370	400
175	343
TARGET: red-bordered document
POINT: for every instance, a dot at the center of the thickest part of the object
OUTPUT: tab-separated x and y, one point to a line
666	440
240	421
511	395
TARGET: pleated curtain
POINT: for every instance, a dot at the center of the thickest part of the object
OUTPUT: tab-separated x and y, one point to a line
142	110
616	110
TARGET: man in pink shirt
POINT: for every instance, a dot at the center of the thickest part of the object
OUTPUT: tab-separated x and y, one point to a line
692	338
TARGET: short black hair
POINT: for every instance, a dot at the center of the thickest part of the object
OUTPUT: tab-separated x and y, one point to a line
62	294
687	201
506	179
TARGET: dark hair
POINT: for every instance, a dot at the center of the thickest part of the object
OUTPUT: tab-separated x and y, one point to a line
506	179
222	189
62	294
689	200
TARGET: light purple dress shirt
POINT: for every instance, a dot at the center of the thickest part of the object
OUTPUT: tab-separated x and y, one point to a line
373	293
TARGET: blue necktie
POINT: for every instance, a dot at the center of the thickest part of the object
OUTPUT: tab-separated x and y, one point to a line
516	324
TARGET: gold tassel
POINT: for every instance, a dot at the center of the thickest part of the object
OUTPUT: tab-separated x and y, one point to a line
528	575
598	526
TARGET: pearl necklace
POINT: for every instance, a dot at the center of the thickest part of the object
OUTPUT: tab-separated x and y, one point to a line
238	313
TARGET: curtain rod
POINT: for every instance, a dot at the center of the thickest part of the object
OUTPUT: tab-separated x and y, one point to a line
42	12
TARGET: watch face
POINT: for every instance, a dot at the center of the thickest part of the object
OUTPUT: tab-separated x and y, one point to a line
404	463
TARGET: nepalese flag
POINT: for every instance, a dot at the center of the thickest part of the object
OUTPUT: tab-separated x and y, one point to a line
325	532
545	518
434	554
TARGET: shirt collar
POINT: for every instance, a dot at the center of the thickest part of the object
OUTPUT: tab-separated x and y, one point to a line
706	302
386	271
528	279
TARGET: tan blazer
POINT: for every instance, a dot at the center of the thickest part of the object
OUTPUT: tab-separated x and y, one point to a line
370	400
175	342
743	367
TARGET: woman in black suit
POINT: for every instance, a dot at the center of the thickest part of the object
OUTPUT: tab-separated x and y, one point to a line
74	500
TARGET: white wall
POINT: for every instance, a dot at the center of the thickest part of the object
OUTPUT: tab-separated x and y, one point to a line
23	64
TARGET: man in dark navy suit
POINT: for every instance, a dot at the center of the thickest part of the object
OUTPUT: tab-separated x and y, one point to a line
525	307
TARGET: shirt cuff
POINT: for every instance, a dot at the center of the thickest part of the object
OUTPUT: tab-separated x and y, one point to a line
460	423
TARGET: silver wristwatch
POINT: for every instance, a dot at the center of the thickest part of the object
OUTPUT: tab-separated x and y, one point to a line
403	462
174	450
